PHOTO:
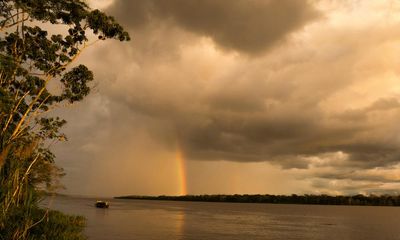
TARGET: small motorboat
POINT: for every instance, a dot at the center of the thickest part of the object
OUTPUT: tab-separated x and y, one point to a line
102	204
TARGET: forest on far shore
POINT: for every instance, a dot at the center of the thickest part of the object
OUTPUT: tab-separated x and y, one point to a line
359	199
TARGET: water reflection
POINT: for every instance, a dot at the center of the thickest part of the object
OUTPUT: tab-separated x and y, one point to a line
135	219
180	225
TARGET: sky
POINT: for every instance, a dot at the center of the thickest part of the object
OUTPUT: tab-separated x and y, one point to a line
244	96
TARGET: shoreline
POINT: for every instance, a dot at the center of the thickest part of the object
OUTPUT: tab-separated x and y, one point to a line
354	200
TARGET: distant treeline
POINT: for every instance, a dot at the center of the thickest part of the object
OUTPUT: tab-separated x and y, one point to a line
370	200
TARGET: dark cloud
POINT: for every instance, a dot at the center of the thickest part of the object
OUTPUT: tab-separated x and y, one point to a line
250	26
382	104
282	134
328	99
269	109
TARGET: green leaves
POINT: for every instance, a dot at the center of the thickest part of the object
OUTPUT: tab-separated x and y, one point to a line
50	128
106	26
31	56
53	11
75	83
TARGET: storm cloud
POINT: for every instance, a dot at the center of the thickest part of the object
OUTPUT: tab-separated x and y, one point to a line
247	26
308	88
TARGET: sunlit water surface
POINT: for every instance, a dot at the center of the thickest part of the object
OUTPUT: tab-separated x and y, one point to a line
168	220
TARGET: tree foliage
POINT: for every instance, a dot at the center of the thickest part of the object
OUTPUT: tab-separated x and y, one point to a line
39	42
359	199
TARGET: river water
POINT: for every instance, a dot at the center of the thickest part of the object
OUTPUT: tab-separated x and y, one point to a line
169	220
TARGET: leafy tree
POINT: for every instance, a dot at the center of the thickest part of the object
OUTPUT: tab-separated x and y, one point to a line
39	43
359	199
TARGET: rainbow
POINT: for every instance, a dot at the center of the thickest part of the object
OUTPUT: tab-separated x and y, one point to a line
181	166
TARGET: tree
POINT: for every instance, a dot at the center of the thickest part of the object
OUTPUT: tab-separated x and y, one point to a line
30	58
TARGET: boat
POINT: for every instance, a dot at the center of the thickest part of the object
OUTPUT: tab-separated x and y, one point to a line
102	204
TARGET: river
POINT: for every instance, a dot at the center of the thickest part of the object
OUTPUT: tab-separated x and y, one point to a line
169	220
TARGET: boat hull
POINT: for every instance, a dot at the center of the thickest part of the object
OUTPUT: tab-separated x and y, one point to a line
101	204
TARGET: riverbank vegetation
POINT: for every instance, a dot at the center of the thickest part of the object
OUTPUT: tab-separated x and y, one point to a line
37	223
359	199
33	56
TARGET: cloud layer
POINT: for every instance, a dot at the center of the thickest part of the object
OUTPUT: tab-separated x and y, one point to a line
310	88
242	25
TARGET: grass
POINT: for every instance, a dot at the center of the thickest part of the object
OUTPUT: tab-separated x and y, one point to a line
44	225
